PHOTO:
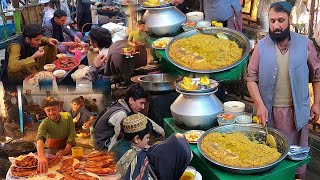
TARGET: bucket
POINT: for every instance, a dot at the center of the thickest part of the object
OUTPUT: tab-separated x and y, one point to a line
195	16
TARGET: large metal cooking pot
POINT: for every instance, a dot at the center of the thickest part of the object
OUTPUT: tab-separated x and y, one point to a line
159	82
250	130
164	20
236	36
196	110
125	7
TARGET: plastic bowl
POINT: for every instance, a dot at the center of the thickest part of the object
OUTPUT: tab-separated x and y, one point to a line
59	56
49	67
59	73
226	118
244	118
203	24
195	16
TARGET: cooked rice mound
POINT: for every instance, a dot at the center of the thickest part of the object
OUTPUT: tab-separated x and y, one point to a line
235	149
205	52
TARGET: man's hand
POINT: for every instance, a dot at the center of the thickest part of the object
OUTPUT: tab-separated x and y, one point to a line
42	164
262	114
38	53
63	152
86	125
314	112
138	43
99	60
176	2
163	136
53	41
70	44
77	39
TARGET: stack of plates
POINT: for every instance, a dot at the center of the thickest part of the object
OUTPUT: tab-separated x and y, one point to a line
234	107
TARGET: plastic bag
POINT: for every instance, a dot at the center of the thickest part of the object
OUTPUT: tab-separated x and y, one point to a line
47	14
64	6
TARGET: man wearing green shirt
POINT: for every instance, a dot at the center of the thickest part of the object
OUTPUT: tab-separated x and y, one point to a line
138	40
57	131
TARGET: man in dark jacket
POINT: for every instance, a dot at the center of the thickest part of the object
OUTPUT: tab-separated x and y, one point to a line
55	28
24	57
108	125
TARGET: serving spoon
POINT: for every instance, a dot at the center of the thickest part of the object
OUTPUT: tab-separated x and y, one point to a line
269	138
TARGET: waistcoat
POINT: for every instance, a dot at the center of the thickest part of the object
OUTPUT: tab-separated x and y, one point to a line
298	75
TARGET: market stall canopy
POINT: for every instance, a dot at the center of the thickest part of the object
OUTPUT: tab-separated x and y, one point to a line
241	40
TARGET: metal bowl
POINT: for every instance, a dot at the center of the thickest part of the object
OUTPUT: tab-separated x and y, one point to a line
249	130
4	140
159	82
233	35
212	86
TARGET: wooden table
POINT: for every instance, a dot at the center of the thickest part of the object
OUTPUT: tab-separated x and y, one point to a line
284	170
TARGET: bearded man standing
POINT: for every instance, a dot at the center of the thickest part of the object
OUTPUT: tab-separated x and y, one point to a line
278	74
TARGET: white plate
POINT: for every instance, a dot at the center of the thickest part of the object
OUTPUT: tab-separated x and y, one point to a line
155	47
198	176
200	132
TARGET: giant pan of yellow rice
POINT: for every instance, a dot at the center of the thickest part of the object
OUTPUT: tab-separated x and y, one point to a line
203	52
242	149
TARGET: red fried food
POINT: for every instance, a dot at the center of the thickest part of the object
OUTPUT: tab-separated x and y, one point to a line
28	161
54	161
101	170
23	172
66	164
95	154
104	163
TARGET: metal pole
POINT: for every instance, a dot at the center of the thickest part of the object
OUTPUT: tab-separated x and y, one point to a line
20	108
311	17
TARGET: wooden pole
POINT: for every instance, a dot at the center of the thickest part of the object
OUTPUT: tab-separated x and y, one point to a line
312	8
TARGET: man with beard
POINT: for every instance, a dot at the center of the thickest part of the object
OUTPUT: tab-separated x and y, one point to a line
278	75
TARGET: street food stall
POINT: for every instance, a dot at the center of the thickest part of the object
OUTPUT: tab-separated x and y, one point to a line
207	56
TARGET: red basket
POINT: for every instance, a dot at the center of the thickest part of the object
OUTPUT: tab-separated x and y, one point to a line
83	51
76	63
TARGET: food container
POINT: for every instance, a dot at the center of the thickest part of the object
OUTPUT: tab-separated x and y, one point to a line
226	118
251	130
60	56
189	173
77	152
195	16
203	24
59	73
159	82
49	67
164	21
244	118
234	107
196	110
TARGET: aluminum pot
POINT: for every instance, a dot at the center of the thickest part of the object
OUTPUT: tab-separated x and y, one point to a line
159	82
164	21
196	110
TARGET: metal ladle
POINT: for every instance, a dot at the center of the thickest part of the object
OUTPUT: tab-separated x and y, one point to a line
269	138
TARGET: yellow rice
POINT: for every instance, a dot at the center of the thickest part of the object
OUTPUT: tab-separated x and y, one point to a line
235	149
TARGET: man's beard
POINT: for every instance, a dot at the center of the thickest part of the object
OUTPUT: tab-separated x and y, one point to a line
279	37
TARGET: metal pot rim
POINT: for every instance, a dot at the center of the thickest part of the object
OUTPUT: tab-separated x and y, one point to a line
251	170
154	82
208	31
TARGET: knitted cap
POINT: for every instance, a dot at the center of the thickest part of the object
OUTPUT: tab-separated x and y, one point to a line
286	6
134	123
